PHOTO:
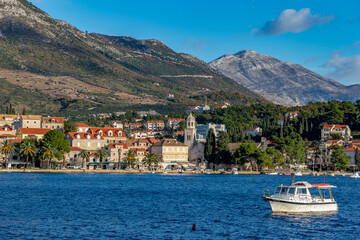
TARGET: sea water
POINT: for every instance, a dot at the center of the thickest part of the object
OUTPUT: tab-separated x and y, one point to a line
150	206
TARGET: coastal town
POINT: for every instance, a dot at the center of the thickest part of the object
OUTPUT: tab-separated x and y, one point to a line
171	144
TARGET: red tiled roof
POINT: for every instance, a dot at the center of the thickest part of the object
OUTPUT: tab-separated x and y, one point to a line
155	121
7	135
8	129
84	135
57	119
136	149
177	119
133	124
82	125
117	132
330	126
75	149
39	131
350	149
112	145
251	129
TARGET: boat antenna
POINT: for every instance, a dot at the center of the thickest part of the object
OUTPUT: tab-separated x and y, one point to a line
292	180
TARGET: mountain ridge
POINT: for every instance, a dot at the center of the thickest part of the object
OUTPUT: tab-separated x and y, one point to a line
32	41
281	82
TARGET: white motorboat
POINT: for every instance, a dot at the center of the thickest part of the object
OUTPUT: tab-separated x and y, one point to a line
235	172
355	175
314	174
298	173
273	173
302	197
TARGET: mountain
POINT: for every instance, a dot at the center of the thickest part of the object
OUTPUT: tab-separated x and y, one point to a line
281	82
45	58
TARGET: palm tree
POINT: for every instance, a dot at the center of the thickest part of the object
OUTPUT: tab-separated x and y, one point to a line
7	149
150	159
101	154
28	149
84	154
47	153
130	159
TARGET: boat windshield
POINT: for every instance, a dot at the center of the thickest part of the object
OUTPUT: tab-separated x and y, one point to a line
292	190
301	191
284	190
277	191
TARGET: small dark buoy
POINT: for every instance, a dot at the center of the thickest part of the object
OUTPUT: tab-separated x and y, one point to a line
194	227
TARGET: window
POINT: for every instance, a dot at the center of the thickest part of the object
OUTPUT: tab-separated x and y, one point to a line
301	191
284	190
166	149
88	144
98	144
291	190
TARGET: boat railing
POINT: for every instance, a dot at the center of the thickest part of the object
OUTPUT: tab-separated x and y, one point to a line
266	193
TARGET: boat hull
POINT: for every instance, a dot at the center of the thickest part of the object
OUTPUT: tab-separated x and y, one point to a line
294	207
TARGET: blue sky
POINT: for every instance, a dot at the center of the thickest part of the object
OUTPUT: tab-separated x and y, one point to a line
322	35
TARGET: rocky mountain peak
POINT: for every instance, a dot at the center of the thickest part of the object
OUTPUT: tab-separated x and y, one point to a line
280	82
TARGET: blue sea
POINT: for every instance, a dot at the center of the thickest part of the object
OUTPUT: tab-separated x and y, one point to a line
105	206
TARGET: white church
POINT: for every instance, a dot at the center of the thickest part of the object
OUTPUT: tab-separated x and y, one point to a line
196	149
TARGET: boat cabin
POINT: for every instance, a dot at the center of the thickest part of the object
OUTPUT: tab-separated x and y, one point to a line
305	192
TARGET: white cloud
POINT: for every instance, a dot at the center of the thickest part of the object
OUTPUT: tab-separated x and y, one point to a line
357	43
345	68
293	21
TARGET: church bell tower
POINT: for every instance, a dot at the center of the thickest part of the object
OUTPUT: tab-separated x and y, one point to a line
190	131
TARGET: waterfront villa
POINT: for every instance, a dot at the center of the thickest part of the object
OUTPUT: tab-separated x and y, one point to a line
87	141
171	153
342	130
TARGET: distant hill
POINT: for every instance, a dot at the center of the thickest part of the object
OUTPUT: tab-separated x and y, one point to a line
282	82
93	71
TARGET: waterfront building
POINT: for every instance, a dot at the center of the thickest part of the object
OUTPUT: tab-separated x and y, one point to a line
342	130
87	141
36	133
117	152
195	149
171	152
109	134
350	151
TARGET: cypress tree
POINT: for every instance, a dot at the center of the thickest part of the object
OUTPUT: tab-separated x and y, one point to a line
357	157
306	125
281	132
210	144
